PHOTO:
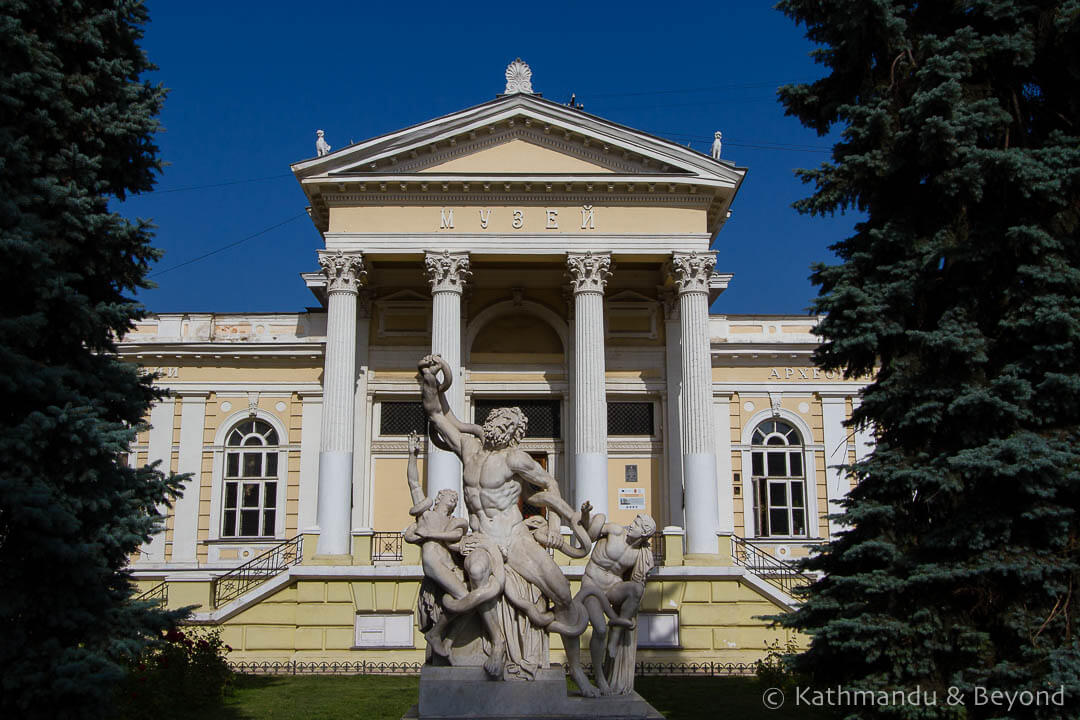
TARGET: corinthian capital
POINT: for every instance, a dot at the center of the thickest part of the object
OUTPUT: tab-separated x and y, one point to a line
447	271
344	272
588	272
690	271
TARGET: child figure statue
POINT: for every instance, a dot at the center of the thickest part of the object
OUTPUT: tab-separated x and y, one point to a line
612	587
436	531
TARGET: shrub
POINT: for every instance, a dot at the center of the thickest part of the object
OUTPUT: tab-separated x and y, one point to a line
774	670
185	671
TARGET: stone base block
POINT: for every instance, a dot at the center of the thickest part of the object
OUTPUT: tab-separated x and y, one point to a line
457	693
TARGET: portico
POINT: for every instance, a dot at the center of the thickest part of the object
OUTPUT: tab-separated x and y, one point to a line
604	217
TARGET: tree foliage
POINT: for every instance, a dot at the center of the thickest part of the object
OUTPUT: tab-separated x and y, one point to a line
76	131
961	147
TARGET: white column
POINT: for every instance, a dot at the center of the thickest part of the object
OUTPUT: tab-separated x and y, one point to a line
310	424
189	460
725	492
361	410
690	273
673	410
833	411
864	436
447	272
588	276
159	447
344	275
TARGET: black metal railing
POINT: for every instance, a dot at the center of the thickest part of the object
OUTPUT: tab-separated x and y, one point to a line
774	571
159	594
258	570
364	667
657	551
386	547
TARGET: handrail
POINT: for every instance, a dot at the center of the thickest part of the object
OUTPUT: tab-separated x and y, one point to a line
258	570
159	594
776	572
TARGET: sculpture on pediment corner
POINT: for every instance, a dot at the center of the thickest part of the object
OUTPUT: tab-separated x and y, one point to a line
321	146
518	78
717	145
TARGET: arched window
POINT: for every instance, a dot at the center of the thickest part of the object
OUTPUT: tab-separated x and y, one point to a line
776	459
251	480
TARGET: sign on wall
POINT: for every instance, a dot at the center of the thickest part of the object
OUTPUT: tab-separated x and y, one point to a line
631	498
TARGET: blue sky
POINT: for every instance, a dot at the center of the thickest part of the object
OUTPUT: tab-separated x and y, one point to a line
251	82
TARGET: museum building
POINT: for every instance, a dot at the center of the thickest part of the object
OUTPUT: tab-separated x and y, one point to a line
559	263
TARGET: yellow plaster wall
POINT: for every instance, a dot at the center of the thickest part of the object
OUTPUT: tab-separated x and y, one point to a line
540	283
794	373
513	157
523	333
739	504
608	219
315	620
648	480
390	493
266	370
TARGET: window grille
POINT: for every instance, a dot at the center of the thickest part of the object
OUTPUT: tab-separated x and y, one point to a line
251	481
402	418
630	418
545	417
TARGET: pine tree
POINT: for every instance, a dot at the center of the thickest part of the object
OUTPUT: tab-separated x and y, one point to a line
76	132
960	146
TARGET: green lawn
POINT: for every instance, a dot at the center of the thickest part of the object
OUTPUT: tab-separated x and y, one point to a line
344	697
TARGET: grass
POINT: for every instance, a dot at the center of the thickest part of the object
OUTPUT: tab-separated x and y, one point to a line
387	697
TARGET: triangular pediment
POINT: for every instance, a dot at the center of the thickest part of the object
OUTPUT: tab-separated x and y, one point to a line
516	135
516	155
518	144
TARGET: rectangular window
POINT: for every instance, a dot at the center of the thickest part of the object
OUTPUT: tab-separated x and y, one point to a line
780	506
796	463
777	463
374	630
544	415
630	418
250	509
252	464
402	418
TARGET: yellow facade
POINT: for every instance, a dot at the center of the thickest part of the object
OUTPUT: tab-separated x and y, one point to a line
517	197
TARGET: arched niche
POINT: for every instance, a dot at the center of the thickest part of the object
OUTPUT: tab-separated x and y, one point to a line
510	332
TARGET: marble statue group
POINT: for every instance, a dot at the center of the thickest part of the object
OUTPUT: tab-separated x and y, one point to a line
492	592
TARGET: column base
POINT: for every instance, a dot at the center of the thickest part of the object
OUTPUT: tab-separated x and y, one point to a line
591	481
335	501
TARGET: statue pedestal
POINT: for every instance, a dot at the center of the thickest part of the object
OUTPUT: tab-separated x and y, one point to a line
457	693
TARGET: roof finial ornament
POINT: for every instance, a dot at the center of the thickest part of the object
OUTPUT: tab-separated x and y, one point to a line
321	146
716	145
518	78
